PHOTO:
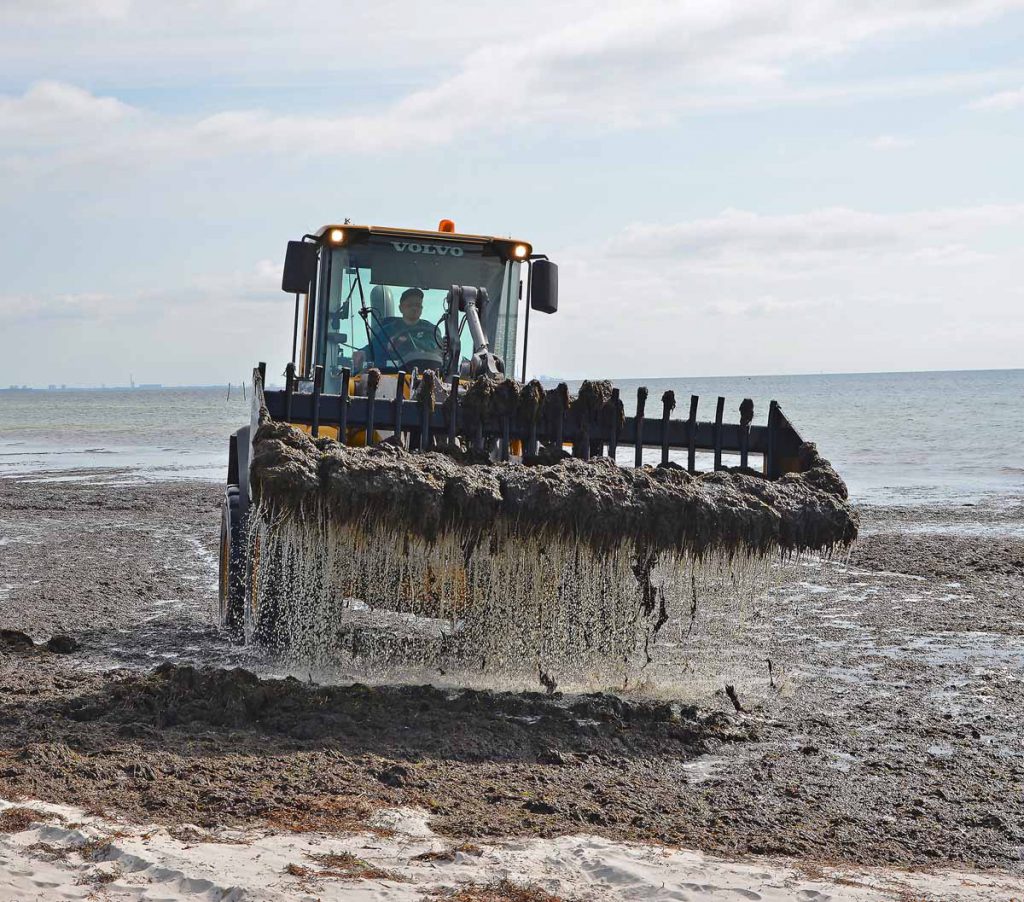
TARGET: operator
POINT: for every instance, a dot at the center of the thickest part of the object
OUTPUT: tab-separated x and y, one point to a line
405	335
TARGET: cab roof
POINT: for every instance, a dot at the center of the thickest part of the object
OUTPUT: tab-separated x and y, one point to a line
390	231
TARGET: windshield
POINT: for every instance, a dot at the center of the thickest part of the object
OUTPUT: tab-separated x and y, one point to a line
385	305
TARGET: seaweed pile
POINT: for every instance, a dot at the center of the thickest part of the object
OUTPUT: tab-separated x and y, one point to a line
569	567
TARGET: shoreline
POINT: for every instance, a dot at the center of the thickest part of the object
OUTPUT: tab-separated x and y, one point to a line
889	737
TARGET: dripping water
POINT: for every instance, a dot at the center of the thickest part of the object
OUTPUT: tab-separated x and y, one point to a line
493	611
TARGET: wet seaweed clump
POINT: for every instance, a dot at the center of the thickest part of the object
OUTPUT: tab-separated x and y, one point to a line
558	563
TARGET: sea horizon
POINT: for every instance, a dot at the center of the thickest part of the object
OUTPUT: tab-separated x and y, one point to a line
543	377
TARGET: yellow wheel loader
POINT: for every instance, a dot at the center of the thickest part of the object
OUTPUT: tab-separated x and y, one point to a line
404	468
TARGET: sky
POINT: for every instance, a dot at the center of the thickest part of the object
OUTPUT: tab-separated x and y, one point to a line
728	187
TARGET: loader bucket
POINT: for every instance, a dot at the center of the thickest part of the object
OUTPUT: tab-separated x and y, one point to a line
561	559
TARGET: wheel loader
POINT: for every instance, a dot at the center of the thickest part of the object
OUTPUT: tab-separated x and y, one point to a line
403	468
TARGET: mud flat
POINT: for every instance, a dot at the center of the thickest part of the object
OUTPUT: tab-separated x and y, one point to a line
886	733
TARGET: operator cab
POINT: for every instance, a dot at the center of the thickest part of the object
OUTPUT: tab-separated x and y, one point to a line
394	299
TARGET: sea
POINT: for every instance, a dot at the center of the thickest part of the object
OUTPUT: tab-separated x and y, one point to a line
896	438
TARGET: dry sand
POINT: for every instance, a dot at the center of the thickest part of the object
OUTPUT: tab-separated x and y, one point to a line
64	853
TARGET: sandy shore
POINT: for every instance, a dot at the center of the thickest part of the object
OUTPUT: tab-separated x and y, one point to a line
60	852
887	734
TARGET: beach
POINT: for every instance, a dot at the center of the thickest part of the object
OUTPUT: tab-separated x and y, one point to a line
885	734
871	748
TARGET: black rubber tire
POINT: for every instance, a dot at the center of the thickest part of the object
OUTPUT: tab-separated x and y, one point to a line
231	585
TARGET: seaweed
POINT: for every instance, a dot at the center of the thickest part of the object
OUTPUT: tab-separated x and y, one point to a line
559	565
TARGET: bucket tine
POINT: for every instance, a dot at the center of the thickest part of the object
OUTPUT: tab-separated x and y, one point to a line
505	439
613	435
426	408
346	378
746	415
773	429
372	379
289	387
399	398
719	413
641	402
531	439
563	393
318	385
453	411
668	404
581	446
691	430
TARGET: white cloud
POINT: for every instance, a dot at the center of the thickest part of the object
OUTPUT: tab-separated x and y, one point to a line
738	238
890	142
239	292
832	289
50	12
52	111
624	66
1001	101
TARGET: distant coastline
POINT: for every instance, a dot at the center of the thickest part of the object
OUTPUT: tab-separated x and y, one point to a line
544	378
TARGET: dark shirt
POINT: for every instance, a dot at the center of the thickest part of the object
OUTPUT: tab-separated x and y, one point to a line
395	340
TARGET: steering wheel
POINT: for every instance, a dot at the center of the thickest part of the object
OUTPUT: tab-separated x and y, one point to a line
424	361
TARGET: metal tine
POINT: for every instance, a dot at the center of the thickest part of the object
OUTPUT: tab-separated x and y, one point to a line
691	430
426	406
289	387
746	416
478	440
262	367
371	405
318	386
613	436
641	402
399	398
773	429
668	404
505	438
581	445
346	378
531	436
453	411
563	393
719	413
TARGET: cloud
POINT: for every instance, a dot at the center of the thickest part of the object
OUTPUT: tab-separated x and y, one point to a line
739	238
833	289
890	142
239	292
50	111
90	306
999	102
50	12
624	66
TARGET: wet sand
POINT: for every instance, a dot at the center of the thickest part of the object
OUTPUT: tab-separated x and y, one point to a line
888	732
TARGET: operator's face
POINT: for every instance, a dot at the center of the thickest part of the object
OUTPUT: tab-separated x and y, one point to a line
412	310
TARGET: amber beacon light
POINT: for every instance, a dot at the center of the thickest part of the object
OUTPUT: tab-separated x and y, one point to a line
446	225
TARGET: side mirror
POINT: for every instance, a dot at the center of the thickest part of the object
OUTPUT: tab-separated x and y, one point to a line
544	286
299	267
